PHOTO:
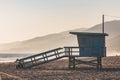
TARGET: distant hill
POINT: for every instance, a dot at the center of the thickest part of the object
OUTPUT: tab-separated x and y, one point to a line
39	44
111	27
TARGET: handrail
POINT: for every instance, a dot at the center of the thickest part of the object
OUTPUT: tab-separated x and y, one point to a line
71	50
41	53
71	47
83	47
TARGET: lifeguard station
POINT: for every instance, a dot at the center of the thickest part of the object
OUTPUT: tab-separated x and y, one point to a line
90	45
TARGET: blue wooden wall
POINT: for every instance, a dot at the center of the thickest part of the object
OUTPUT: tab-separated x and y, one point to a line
91	46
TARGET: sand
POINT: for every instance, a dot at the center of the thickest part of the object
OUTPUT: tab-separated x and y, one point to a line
58	70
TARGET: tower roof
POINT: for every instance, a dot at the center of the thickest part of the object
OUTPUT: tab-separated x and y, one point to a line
89	33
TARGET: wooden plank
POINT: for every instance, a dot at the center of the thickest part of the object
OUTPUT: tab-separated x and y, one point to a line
86	62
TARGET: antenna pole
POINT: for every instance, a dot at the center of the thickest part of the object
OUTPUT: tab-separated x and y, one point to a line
103	23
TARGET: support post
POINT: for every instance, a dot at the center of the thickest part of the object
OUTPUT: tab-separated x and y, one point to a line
71	62
99	63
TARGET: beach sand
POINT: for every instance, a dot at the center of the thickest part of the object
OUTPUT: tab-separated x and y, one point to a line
58	70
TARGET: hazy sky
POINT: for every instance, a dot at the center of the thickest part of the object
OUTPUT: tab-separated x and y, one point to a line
25	19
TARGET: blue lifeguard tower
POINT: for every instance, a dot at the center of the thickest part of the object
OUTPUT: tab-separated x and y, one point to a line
90	45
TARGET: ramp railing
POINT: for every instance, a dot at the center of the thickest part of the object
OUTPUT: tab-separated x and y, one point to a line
40	58
72	51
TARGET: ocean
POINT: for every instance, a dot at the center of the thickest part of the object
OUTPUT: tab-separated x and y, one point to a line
11	57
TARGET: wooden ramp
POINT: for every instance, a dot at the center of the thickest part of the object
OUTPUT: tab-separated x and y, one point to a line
40	58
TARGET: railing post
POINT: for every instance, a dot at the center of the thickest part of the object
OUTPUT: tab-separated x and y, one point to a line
34	60
46	57
43	57
31	60
70	51
58	53
66	51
